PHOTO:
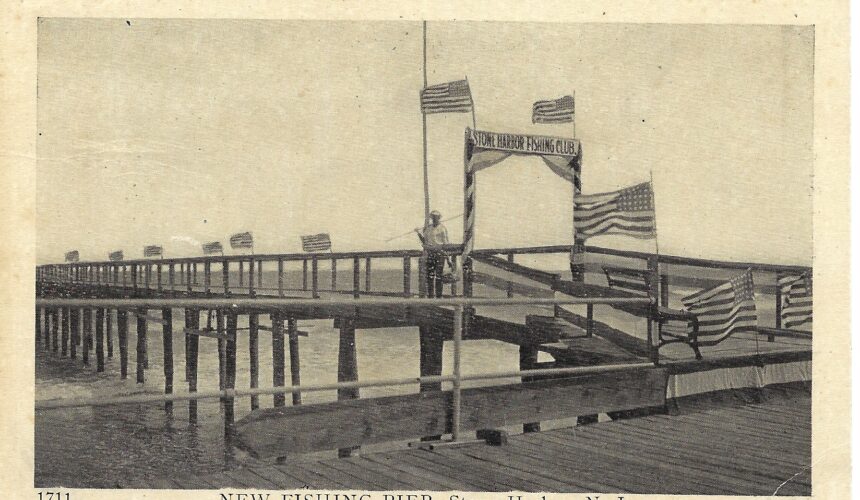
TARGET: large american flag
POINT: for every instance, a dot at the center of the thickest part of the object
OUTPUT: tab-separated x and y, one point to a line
796	292
555	111
213	247
316	242
152	251
242	240
451	97
726	308
629	211
115	256
73	256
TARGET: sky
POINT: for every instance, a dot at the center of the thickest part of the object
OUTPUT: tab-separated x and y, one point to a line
178	132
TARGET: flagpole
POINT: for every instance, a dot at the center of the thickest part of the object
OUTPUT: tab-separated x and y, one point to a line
474	122
424	130
574	114
656	243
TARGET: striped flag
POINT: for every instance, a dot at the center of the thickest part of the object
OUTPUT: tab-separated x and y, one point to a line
726	308
152	251
115	256
242	240
73	256
316	242
212	247
556	111
796	299
451	97
629	211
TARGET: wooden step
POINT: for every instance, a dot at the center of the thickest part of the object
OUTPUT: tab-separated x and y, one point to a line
554	326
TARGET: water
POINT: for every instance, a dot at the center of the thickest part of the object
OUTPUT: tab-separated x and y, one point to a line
96	447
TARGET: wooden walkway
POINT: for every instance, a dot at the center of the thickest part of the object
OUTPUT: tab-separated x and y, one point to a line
752	449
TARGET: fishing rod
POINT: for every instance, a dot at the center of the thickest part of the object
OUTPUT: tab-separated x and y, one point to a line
410	232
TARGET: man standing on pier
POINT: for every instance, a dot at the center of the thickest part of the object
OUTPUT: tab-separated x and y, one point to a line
434	237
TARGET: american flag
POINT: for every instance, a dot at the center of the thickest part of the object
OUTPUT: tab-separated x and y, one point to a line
726	308
316	242
152	251
73	256
629	211
115	256
556	111
242	240
796	292
212	247
451	97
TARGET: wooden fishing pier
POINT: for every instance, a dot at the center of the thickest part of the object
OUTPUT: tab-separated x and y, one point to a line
598	367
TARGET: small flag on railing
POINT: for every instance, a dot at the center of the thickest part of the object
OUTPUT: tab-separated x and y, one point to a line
451	97
555	111
115	256
212	247
629	211
152	251
726	308
242	240
316	242
796	299
73	256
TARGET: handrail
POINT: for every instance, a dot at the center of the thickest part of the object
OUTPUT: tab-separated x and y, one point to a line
452	249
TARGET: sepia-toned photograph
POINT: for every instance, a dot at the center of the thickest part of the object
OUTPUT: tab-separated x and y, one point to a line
304	255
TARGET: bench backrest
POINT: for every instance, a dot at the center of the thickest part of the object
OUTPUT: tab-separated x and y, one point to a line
635	281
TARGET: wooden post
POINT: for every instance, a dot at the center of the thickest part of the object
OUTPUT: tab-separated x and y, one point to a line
407	276
38	326
64	350
194	273
280	277
778	306
528	361
75	331
454	283
241	273
347	369
334	275
141	344
277	357
510	283
254	355
230	362
109	331
664	290
367	274
207	277
158	271
314	277
167	344
653	292
134	279
171	277
147	273
122	333
192	321
295	367
222	351
251	291
259	274
100	339
55	330
305	275
188	286
124	275
467	276
356	277
88	324
430	362
225	276
589	320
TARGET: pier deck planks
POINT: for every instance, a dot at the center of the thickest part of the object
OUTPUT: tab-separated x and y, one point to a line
748	450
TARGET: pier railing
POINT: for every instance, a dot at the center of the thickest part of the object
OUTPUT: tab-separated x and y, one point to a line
232	306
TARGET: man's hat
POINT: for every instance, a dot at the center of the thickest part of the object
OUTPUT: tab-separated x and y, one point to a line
435	213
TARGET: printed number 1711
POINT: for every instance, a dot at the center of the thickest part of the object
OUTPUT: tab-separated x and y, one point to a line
53	495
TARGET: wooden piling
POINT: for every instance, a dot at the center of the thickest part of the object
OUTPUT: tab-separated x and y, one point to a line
778	305
225	276
277	357
222	351
64	350
431	344
347	369
454	283
254	355
334	275
528	361
141	344
259	274
314	277
85	342
109	331
230	364
304	274
158	271
280	277
167	344
367	274
55	330
38	325
194	273
510	283
295	367
407	276
122	334
589	320
100	340
207	277
356	277
251	291
192	321
171	278
241	273
74	331
664	290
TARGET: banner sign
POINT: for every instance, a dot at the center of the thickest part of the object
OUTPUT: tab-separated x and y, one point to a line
525	144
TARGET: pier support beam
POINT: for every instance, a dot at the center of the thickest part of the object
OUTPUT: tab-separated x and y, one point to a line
47	326
55	327
38	325
230	365
122	333
528	361
64	350
109	331
74	331
431	346
295	367
192	322
100	340
88	335
347	370
277	357
141	344
254	355
167	343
